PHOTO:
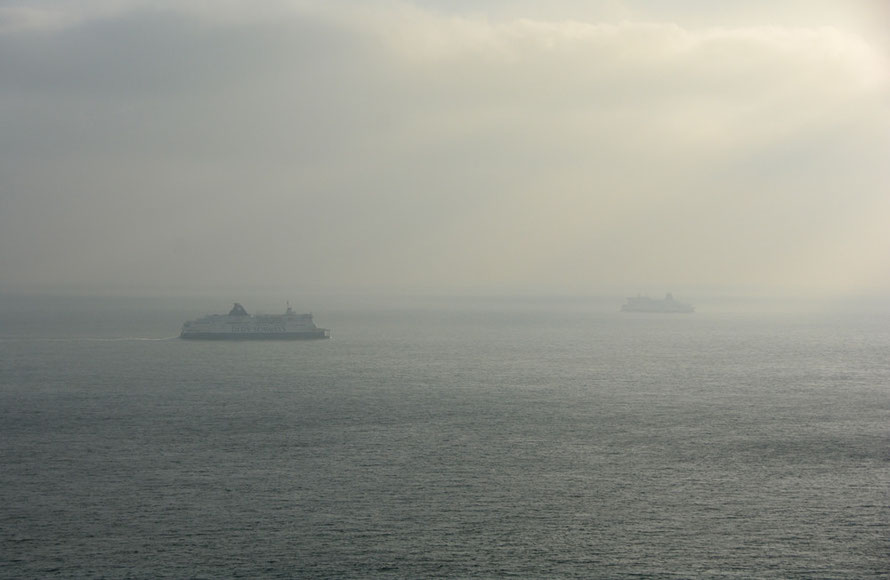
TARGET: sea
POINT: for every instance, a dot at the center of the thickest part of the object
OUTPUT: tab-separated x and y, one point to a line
445	438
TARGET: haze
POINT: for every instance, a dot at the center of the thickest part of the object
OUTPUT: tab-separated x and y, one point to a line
491	146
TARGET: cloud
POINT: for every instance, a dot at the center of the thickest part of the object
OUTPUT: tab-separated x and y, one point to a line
394	146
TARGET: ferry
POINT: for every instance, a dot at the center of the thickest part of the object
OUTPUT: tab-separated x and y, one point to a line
646	304
239	325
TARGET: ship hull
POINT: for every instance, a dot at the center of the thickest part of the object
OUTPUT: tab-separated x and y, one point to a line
255	335
658	311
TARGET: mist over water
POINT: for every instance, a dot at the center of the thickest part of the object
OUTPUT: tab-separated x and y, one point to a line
431	146
473	438
464	193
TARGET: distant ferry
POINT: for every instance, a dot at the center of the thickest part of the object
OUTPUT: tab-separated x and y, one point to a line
646	304
239	325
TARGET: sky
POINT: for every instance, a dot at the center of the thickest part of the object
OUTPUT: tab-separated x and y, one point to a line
492	146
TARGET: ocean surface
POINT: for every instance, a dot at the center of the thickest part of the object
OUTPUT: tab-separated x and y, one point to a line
465	439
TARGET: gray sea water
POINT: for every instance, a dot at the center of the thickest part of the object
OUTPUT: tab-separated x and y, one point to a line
469	440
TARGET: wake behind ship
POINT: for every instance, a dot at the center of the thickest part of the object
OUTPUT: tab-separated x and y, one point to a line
239	325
